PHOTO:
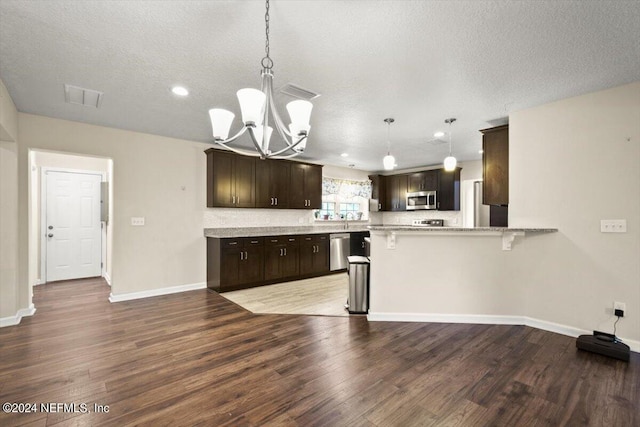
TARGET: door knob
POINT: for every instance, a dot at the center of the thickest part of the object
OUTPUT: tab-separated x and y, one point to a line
50	234
51	227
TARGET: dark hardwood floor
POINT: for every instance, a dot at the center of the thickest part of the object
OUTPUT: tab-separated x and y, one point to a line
197	359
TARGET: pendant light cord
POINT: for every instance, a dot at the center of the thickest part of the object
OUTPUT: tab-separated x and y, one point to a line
450	143
267	63
450	121
388	138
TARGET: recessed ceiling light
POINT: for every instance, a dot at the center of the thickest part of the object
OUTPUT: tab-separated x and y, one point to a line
344	155
180	91
438	134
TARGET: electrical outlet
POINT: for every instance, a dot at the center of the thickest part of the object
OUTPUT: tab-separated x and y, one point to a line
137	221
619	308
391	241
613	225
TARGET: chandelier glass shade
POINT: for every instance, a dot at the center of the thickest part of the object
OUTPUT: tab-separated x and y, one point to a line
258	112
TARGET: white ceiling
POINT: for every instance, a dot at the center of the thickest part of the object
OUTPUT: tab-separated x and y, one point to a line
419	62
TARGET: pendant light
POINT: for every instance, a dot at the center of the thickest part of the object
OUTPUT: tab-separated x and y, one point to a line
258	110
389	162
450	162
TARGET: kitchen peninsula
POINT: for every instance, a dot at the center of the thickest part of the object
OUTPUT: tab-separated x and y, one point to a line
444	274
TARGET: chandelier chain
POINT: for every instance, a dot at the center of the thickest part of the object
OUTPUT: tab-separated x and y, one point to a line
267	62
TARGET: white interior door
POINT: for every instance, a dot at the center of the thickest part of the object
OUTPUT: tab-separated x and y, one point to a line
73	229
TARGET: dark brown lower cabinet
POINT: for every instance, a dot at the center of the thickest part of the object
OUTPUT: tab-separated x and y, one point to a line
281	257
238	263
314	254
357	244
234	263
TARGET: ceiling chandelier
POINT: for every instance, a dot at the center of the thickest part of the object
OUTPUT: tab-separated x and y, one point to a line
389	162
450	162
258	109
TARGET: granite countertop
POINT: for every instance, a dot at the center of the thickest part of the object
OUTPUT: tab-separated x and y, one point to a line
460	229
222	233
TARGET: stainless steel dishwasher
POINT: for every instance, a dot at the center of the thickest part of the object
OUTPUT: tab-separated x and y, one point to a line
339	251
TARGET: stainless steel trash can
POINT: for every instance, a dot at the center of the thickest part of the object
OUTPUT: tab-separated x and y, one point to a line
358	302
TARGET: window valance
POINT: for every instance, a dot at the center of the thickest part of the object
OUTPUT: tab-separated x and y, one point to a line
346	188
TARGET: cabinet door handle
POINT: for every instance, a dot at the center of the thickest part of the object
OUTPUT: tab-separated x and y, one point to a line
276	201
363	244
246	255
272	201
238	200
280	251
233	243
241	255
285	251
233	202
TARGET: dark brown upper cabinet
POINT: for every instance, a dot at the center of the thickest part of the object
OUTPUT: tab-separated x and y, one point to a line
448	196
378	190
305	186
495	166
272	183
423	181
396	194
230	180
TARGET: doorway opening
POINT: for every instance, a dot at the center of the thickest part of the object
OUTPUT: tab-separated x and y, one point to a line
70	206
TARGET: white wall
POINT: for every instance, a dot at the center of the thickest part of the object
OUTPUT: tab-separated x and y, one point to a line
8	116
571	164
9	302
161	179
8	229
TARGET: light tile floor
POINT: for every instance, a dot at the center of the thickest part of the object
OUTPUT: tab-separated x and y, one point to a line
324	295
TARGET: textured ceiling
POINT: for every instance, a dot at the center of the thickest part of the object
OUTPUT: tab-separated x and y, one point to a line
417	61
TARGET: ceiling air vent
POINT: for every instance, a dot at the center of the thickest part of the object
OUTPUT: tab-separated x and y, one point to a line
436	141
298	92
82	96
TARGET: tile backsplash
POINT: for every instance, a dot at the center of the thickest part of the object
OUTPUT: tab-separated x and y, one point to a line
230	217
451	218
223	217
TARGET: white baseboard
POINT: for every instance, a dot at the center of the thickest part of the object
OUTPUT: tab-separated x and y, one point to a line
446	318
39	282
107	278
14	320
156	292
493	320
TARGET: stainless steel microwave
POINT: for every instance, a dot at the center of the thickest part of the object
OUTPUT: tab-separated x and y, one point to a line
422	200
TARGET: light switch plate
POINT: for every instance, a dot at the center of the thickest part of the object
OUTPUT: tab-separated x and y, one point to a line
613	226
137	221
